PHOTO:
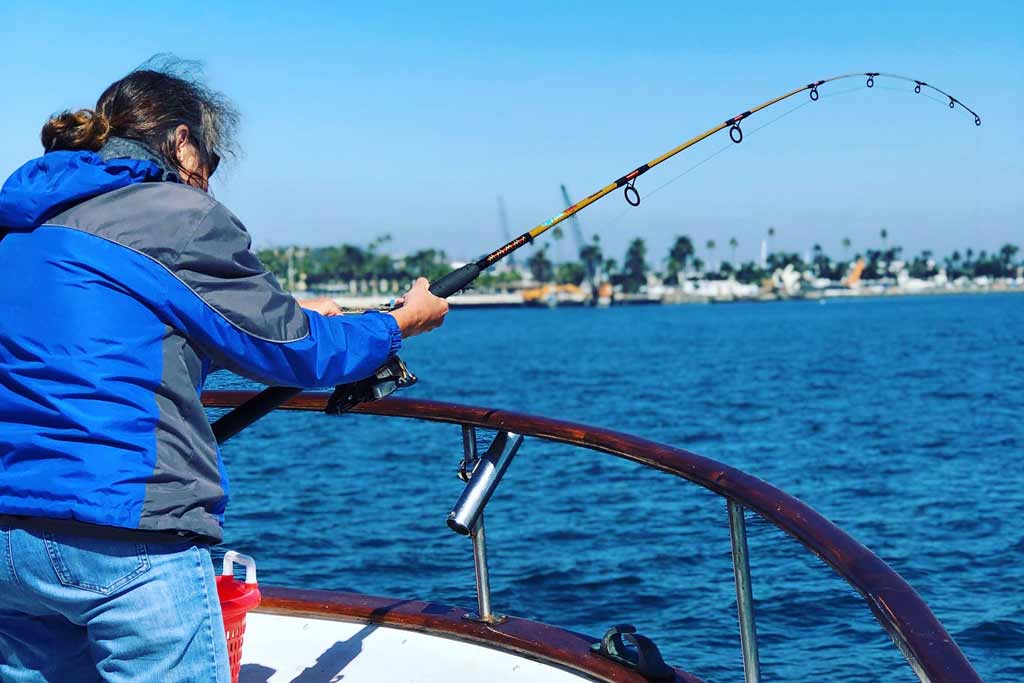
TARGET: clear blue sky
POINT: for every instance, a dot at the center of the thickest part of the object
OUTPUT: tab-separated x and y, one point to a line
411	119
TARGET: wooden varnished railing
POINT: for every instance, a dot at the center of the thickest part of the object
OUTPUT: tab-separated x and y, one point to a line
929	649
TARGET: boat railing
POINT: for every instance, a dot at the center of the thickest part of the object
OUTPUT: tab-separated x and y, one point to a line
924	642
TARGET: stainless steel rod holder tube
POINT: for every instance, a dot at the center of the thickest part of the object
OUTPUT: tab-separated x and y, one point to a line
744	594
484	480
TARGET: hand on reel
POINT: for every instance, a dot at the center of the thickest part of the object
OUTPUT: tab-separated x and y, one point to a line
388	379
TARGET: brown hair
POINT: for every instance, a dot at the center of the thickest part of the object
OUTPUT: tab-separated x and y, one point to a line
147	106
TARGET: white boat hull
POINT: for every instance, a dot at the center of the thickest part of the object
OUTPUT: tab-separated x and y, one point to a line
298	649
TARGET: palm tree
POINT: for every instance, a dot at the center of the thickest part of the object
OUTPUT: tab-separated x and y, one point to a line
711	249
540	265
592	258
1007	253
846	248
634	266
885	239
557	234
732	246
953	264
610	269
969	262
679	256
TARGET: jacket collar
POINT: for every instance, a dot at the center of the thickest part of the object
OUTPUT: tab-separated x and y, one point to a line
123	148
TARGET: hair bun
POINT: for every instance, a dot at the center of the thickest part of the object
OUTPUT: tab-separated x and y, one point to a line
84	129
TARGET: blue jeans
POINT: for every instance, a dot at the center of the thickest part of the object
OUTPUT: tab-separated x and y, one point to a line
88	610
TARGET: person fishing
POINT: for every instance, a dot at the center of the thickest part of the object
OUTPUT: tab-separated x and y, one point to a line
123	283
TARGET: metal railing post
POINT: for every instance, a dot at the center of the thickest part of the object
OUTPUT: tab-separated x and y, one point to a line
744	594
483	579
469	454
467	517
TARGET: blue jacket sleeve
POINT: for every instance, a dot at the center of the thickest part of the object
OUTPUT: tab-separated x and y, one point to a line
233	310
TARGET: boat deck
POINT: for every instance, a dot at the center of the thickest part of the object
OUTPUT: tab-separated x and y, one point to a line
295	649
308	636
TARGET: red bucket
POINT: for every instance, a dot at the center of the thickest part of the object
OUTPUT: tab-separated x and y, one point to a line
236	599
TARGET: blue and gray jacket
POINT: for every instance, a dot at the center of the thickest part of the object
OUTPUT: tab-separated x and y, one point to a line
120	288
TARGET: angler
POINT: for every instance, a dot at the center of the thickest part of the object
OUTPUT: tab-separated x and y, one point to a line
394	374
122	283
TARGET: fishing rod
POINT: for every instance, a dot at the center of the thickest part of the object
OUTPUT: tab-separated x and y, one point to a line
394	375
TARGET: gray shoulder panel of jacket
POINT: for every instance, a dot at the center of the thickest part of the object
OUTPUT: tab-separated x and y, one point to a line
218	264
202	244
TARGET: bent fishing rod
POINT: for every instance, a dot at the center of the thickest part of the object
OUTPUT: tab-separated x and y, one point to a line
394	375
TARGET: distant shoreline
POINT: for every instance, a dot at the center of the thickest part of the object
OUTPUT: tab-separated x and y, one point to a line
886	294
475	300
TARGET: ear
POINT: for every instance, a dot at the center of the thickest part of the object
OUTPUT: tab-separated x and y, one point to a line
181	134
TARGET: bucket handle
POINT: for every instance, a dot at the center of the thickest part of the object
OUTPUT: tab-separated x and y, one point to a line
230	557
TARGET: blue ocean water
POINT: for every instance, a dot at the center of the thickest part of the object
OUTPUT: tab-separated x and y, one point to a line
898	418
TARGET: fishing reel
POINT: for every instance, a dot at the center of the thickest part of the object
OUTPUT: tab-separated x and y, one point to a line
388	379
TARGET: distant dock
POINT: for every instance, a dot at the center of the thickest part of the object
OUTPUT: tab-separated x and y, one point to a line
678	296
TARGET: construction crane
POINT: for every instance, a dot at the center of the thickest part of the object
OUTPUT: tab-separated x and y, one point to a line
577	231
591	266
503	217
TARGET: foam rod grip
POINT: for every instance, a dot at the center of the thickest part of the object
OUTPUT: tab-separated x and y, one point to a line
455	281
